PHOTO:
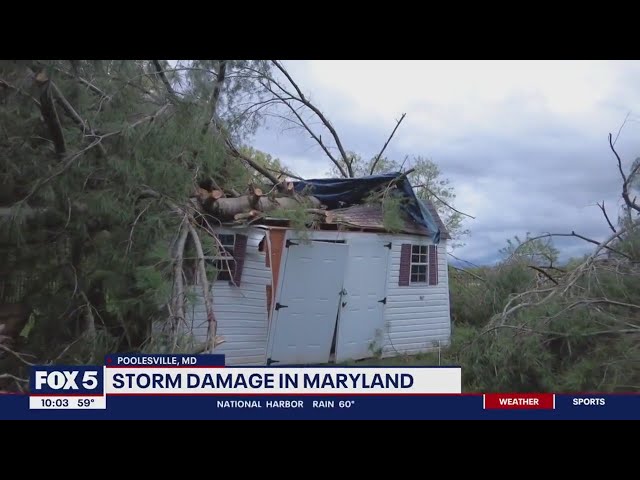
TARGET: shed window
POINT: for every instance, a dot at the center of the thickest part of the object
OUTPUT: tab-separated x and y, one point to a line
419	264
224	262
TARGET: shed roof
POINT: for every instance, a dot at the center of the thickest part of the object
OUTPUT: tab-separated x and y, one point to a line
371	217
346	203
337	193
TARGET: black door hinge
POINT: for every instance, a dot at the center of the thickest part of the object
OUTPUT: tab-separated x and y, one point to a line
289	243
388	245
383	301
270	361
279	306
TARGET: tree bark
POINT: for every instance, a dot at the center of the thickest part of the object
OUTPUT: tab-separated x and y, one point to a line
206	292
50	115
227	208
178	313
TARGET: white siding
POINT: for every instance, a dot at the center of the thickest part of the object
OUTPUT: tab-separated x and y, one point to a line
417	317
241	311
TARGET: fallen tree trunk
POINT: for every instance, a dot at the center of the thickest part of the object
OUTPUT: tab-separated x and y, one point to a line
228	208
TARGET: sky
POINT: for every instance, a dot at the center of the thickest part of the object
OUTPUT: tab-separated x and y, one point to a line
524	143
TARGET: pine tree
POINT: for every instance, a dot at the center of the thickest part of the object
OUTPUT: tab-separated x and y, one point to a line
98	159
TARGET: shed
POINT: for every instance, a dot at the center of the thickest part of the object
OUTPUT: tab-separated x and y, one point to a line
346	290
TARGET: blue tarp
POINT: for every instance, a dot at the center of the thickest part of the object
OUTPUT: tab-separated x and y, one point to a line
345	192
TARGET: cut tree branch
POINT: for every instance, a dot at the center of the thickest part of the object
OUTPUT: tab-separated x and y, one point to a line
384	147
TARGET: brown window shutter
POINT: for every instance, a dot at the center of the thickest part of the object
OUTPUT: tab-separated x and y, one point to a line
405	265
239	252
433	264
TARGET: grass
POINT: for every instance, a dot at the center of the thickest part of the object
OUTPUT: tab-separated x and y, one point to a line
429	359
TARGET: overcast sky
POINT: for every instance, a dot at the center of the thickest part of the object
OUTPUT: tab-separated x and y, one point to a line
524	143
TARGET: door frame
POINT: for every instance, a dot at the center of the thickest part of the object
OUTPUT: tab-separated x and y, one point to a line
281	278
382	241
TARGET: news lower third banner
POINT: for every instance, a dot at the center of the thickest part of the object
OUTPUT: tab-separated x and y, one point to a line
201	387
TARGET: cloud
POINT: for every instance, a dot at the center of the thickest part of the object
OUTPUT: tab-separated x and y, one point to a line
524	143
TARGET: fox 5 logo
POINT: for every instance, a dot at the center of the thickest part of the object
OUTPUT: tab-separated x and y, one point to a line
61	380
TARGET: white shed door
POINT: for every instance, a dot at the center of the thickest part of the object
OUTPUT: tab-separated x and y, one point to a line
307	303
362	313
